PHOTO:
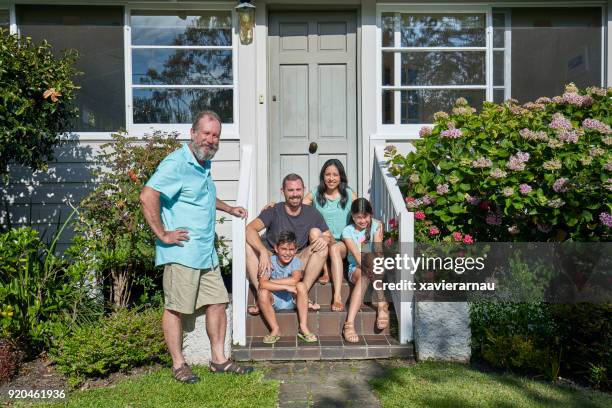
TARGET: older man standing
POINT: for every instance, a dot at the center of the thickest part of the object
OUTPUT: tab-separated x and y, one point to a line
179	203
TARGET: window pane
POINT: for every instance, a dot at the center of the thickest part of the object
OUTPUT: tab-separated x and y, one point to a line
388	107
499	27
388	30
498	95
181	28
97	34
498	68
388	72
552	47
443	68
419	106
180	67
443	30
180	105
4	19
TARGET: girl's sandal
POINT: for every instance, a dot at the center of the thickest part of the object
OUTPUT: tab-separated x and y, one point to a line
270	339
229	366
337	307
349	333
382	317
324	279
253	310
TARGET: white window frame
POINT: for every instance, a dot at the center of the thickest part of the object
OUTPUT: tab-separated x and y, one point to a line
229	130
411	131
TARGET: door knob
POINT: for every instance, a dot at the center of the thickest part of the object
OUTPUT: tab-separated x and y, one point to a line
312	148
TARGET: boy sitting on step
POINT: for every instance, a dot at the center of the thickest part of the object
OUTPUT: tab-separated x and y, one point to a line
277	291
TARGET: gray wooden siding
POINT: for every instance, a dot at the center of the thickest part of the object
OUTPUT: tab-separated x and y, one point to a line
40	199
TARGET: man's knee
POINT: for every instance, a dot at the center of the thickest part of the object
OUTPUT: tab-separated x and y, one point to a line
216	308
301	288
313	234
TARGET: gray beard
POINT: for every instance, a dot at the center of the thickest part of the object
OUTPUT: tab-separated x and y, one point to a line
201	155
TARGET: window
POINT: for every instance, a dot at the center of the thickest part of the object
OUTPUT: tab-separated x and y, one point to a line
4	19
96	32
428	61
182	63
539	50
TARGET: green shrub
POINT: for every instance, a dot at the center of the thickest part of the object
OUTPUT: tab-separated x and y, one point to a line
41	295
537	172
119	342
36	101
111	227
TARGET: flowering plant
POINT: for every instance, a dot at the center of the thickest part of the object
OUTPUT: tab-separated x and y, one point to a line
537	172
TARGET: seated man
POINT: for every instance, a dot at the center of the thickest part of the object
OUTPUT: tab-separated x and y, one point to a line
307	224
277	291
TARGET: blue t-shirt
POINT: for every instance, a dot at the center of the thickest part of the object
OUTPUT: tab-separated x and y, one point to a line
358	237
280	271
188	199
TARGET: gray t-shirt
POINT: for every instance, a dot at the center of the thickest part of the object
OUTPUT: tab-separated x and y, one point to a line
277	220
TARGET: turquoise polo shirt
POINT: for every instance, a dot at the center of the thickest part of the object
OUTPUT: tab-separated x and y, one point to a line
188	199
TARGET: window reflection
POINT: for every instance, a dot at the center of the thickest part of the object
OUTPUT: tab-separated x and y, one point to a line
181	67
443	30
443	68
419	106
182	28
180	105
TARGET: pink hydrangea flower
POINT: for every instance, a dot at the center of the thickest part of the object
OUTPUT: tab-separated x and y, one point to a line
467	239
427	200
425	131
597	126
560	185
525	189
434	231
606	219
493	219
560	122
472	200
517	161
442	188
481	163
457	236
451	133
419	215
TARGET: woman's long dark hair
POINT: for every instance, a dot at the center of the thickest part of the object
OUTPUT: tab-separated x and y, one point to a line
342	186
362	206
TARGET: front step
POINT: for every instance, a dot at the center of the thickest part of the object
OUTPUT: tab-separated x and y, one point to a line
328	327
326	348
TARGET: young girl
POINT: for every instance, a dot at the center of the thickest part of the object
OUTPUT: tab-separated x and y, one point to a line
363	229
332	199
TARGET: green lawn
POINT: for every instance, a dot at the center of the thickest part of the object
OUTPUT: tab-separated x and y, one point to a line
431	384
159	389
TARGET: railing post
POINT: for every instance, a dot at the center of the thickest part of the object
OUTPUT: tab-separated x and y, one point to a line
239	283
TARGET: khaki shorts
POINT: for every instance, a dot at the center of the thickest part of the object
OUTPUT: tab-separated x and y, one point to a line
187	289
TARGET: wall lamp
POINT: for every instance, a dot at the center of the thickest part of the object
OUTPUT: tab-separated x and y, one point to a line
246	15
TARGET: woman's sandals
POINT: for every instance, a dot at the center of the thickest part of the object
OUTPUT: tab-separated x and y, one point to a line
337	307
229	366
349	333
382	317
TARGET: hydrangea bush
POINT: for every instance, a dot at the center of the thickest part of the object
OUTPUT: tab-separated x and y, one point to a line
537	172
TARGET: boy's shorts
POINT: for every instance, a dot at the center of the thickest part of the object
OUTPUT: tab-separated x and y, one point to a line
283	300
187	289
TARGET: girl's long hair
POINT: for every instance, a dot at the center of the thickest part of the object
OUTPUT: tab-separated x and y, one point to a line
362	206
341	187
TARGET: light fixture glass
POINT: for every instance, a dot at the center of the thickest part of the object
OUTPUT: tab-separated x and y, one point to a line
246	16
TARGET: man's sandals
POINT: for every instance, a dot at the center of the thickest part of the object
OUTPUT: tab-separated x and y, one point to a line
229	366
185	375
382	317
349	333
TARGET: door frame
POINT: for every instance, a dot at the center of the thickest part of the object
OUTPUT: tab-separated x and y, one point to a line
263	195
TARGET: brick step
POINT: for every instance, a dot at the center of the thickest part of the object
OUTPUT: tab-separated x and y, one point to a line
321	294
323	323
326	348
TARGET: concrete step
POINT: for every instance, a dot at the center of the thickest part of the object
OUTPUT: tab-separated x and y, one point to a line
326	348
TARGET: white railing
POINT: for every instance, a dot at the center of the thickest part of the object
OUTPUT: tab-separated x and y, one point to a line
240	285
388	203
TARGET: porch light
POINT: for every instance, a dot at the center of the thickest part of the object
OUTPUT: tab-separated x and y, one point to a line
246	14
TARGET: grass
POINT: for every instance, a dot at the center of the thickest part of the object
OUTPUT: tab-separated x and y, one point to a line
159	389
441	385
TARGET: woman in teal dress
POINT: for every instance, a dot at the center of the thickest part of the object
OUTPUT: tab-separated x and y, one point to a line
333	198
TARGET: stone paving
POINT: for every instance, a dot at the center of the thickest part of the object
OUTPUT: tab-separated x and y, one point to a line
328	383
